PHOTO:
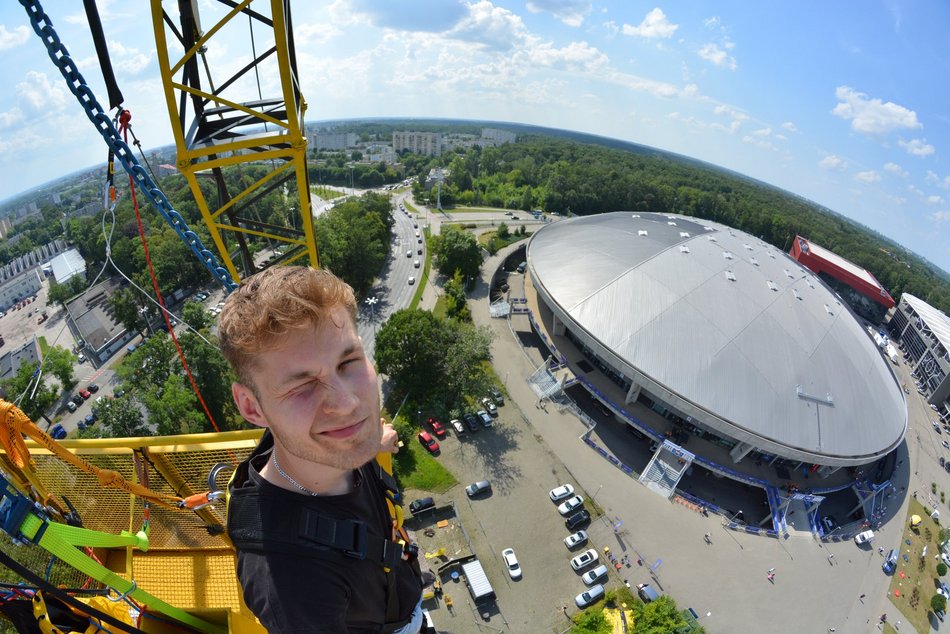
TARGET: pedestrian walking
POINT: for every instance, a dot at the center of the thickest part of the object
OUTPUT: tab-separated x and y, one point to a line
771	570
861	597
771	577
708	538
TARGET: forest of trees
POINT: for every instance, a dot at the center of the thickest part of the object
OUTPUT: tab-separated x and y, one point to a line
567	177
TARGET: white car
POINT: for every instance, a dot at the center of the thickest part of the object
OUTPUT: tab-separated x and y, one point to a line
864	538
457	424
588	597
591	576
511	562
561	492
490	406
412	280
575	539
586	558
568	506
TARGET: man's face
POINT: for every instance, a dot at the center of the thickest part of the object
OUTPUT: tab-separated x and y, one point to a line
317	392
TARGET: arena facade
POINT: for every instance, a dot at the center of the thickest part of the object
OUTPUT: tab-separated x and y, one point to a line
732	334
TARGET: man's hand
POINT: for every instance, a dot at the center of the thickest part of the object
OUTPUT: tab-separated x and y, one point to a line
390	440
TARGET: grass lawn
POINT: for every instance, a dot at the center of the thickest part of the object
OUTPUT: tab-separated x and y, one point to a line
911	593
501	243
415	468
466	209
409	206
326	193
44	345
423	276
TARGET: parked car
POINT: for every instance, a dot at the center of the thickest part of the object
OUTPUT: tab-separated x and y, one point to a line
471	421
485	418
589	597
585	559
437	428
422	504
591	576
890	562
457	426
428	442
85	394
497	396
57	432
570	505
575	539
412	280
93	388
490	406
90	420
647	593
511	562
578	519
559	493
77	399
70	406
829	523
865	537
477	488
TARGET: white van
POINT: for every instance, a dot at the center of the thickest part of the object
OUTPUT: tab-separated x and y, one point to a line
591	576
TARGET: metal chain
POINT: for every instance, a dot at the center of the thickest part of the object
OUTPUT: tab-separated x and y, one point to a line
99	118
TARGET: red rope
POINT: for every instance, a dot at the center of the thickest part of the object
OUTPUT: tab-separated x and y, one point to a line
124	118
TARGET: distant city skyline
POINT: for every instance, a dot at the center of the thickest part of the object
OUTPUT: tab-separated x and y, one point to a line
839	103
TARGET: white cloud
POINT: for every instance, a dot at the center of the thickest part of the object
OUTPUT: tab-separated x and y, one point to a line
791	127
897	200
654	25
940	216
11	117
12	39
894	168
762	132
712	23
833	162
575	56
737	118
570	12
133	65
934	199
315	33
39	93
933	179
715	55
917	147
492	26
870	176
759	141
611	27
872	116
914	190
427	16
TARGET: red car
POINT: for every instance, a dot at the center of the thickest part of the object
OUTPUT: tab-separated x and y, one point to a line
437	428
428	442
85	394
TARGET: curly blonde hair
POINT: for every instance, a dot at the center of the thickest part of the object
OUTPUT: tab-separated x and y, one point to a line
269	304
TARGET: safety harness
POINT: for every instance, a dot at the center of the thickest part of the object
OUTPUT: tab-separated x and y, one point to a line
310	530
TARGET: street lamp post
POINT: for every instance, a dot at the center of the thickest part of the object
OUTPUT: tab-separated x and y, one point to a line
371	302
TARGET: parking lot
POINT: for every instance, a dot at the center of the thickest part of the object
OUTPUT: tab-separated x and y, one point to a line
517	514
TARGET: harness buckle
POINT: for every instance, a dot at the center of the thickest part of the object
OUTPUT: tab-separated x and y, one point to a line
359	542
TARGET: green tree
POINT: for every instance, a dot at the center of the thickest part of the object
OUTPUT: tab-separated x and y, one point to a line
120	418
174	408
502	231
658	617
126	310
60	362
938	603
194	314
34	406
457	250
61	293
456	306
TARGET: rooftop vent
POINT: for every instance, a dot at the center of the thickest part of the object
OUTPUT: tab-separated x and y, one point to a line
708	228
712	238
772	286
795	293
684	234
671	223
684	248
728	255
809	282
747	246
635	216
788	274
754	261
771	255
828	310
730	276
642	232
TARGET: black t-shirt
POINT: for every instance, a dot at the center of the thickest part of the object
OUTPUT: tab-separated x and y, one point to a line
322	590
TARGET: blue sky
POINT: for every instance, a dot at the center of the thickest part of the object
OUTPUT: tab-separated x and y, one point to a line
843	103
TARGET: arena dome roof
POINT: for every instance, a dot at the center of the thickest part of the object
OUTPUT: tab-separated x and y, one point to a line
728	324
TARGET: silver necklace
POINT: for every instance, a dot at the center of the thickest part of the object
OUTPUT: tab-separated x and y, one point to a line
273	457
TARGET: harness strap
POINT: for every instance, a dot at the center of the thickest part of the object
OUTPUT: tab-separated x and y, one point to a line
349	536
